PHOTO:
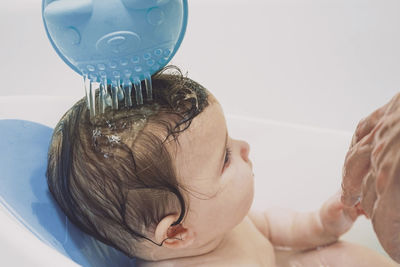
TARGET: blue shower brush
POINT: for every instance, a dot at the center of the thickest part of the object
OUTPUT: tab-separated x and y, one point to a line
115	44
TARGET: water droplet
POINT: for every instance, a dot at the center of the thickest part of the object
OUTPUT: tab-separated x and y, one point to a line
96	132
114	139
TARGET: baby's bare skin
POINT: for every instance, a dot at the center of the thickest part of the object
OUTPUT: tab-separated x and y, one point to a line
245	245
219	230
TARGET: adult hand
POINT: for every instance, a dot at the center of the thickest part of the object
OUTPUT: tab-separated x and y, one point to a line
371	173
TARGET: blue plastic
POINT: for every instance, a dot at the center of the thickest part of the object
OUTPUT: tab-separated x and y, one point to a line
126	39
24	192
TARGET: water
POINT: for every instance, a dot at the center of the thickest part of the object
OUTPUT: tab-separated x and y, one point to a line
127	85
114	139
149	87
120	91
114	96
138	89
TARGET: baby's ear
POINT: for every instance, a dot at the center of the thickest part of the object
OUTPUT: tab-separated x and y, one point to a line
175	236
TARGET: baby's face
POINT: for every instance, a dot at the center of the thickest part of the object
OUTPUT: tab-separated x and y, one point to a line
220	185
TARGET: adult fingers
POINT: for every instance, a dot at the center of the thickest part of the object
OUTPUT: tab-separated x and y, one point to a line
366	125
370	184
356	166
368	193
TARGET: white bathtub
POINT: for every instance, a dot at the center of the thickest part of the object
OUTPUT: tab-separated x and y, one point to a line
276	67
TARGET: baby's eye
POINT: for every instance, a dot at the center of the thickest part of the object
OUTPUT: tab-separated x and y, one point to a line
227	155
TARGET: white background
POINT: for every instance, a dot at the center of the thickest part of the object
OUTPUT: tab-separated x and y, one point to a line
315	62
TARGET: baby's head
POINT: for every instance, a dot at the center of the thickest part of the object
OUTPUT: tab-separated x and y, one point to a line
158	181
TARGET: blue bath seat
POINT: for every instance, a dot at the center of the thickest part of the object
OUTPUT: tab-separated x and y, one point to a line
24	193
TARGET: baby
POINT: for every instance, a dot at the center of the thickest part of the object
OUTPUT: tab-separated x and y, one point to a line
164	182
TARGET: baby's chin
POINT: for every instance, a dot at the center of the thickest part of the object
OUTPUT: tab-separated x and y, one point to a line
247	202
251	193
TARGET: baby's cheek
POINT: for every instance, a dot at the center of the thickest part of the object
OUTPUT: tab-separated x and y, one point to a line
250	192
245	179
244	184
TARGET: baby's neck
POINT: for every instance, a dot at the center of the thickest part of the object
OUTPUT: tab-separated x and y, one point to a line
168	255
244	245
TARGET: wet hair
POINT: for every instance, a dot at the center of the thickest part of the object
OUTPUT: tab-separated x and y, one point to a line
114	177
